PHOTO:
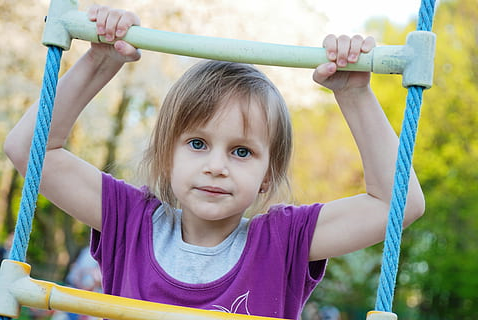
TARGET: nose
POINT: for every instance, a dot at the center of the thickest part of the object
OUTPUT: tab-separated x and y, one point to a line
216	164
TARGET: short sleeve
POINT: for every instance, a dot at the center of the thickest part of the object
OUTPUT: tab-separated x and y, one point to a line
285	233
126	215
295	228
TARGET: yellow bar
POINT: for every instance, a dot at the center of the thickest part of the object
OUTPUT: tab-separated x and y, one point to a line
18	289
119	308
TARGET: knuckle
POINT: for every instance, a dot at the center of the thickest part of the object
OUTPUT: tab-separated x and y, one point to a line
115	13
329	41
93	8
103	9
370	39
330	37
344	37
129	15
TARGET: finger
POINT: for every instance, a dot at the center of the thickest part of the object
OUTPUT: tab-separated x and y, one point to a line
355	48
343	48
330	45
127	20
92	12
368	44
101	16
324	71
111	23
127	50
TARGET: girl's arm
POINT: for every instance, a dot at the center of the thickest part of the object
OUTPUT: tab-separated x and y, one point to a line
71	183
357	222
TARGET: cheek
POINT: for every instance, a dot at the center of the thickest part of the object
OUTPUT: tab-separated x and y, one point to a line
258	176
178	162
177	173
177	182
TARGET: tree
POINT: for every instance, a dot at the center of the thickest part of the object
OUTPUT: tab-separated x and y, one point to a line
439	251
56	239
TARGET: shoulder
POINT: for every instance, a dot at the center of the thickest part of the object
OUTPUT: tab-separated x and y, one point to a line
118	189
127	213
290	214
284	235
286	222
124	203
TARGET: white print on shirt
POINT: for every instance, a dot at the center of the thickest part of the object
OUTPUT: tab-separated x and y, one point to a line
238	306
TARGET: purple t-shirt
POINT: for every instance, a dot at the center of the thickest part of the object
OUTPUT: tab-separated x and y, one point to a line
272	278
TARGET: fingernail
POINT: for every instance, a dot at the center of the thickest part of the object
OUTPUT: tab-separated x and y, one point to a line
352	57
120	33
101	30
332	56
342	63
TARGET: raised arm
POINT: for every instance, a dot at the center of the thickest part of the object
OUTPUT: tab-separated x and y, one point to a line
357	222
71	183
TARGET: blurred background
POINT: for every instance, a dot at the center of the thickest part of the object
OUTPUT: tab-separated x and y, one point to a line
438	266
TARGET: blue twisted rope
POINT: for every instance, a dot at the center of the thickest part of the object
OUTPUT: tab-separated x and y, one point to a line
391	251
31	185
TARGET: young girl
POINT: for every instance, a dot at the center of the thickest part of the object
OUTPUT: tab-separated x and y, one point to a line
222	143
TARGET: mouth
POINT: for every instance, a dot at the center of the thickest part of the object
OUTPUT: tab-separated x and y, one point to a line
210	190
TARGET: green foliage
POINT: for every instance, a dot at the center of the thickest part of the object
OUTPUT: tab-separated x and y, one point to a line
449	173
439	252
438	256
324	153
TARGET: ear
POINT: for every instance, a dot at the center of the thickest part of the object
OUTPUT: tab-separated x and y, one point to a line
264	186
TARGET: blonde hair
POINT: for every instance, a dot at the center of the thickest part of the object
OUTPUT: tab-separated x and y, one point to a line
195	98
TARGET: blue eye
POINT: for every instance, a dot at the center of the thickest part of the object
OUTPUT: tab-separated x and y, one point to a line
197	144
242	152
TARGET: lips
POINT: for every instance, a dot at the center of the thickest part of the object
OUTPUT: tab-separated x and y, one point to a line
213	190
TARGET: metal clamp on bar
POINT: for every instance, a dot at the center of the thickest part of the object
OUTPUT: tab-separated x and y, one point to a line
419	69
55	32
414	60
381	315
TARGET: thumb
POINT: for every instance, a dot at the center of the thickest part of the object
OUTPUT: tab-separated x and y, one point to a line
126	50
324	71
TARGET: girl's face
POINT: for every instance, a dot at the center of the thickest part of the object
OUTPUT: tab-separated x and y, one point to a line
219	169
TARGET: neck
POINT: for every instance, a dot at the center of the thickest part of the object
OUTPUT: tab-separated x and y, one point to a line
207	233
